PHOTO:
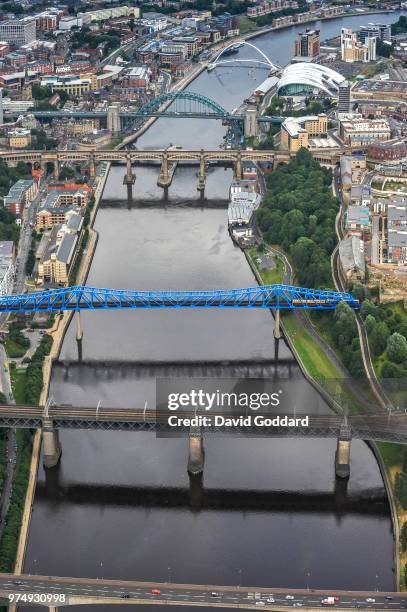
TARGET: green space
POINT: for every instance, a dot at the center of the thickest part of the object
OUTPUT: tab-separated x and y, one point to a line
246	24
270	275
11	532
390	453
3	457
16	344
298	214
386	326
18	384
27	382
312	355
280	106
377	185
400	26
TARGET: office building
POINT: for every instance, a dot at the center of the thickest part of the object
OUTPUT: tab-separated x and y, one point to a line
353	50
18	32
307	44
344	102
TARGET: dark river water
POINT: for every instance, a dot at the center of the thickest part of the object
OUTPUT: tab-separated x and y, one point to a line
105	511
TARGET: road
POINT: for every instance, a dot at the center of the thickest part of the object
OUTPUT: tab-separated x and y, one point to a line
64	591
376	387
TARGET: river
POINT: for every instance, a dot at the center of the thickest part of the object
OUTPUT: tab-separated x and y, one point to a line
116	529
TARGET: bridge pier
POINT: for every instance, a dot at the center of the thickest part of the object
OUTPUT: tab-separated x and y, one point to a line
238	166
201	176
342	455
79	334
92	167
196	455
51	444
129	180
277	329
56	169
164	179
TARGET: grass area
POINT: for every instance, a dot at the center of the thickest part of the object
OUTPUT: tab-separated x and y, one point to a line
114	143
393	186
377	185
391	453
246	24
17	376
269	276
14	350
316	362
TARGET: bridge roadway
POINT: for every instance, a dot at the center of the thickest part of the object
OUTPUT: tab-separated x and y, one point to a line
59	592
173	155
83	297
384	427
142	115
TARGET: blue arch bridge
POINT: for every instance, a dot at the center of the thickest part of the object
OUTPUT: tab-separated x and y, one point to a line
79	298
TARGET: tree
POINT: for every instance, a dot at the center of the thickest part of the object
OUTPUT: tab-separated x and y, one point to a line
403	537
397	348
370	324
378	338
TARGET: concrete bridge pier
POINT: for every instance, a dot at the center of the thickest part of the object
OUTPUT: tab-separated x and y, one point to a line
196	455
277	329
164	178
56	169
79	333
238	166
129	180
51	444
342	455
201	176
92	167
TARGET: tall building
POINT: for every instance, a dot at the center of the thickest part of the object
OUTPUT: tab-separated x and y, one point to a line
307	44
375	30
344	103
352	50
18	32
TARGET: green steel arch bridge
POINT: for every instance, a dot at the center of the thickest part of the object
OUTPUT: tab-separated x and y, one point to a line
178	105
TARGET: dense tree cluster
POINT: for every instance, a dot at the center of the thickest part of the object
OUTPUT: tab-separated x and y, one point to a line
11	532
387	332
346	338
34	374
400	26
400	486
298	213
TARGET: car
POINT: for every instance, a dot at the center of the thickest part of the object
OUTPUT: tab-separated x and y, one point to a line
270	600
297	604
289	596
17	582
125	596
214	594
155	592
370	600
388	597
260	603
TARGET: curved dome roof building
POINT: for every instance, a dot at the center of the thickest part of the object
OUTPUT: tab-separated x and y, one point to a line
305	78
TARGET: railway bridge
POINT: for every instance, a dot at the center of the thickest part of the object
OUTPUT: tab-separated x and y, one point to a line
165	157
